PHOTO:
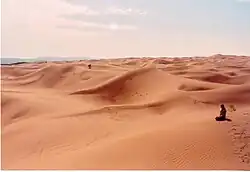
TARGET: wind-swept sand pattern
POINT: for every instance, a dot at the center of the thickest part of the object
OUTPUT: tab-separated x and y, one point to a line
138	113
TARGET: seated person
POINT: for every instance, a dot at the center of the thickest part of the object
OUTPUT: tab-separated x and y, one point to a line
223	113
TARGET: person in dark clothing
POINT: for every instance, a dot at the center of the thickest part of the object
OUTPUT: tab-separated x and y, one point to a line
89	66
223	113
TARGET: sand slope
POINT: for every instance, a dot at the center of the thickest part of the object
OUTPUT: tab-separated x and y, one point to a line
126	114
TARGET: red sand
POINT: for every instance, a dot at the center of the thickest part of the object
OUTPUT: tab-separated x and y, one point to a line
126	114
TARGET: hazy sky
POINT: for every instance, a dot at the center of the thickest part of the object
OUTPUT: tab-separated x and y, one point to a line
119	28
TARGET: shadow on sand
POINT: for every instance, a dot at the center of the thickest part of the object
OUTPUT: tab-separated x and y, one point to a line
223	119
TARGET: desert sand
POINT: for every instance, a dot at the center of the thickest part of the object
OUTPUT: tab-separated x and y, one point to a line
134	113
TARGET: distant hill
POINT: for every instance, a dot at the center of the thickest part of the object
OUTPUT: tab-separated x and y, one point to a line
11	60
6	61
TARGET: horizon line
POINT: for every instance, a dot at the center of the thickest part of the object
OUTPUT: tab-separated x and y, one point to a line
22	57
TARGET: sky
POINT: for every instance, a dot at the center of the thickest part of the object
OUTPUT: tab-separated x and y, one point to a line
121	28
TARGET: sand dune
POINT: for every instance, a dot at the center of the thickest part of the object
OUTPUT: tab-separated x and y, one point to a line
137	113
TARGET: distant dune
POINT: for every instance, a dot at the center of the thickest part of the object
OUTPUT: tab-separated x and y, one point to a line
134	113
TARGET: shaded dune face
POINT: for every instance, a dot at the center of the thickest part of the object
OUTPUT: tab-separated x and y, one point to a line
223	79
126	114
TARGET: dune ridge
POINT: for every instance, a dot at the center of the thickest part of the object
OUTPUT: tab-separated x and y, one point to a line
135	113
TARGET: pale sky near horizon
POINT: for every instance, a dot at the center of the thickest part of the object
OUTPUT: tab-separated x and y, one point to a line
118	28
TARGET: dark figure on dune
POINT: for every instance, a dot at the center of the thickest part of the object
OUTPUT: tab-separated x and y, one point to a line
89	66
223	113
